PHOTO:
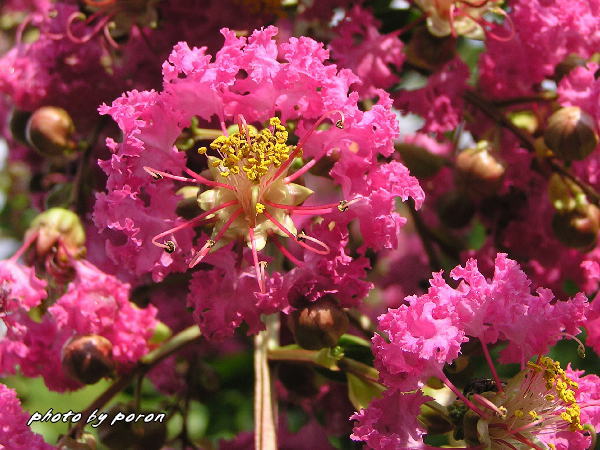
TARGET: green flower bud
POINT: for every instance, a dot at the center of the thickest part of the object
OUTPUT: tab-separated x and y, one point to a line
59	226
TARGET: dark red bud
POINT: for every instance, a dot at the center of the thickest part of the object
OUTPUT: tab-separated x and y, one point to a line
319	325
87	359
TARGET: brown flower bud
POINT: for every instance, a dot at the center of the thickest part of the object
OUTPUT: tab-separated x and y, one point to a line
420	162
87	359
577	228
429	52
455	209
49	131
571	134
479	172
318	325
58	226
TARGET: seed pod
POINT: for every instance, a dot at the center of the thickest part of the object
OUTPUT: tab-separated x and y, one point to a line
49	131
455	209
571	134
319	325
87	359
478	171
577	228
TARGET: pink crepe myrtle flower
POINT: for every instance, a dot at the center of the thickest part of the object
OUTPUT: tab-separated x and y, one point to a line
223	297
545	33
14	432
422	336
252	195
19	287
390	422
335	273
427	332
440	102
359	46
94	303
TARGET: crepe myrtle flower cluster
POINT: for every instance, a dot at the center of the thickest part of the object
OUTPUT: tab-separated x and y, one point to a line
253	195
542	406
393	206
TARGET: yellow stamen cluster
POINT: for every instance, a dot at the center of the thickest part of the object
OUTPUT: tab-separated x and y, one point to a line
253	152
557	380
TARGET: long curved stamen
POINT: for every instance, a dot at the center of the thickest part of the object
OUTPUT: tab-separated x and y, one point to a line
341	206
300	238
488	358
106	30
309	165
210	243
21	29
207	182
159	174
23	248
243	127
196	220
487	404
460	395
259	270
303	139
285	252
79	16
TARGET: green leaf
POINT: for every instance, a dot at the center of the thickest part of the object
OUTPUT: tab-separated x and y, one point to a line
361	392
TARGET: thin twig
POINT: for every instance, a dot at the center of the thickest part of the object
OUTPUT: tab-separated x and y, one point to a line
528	142
148	361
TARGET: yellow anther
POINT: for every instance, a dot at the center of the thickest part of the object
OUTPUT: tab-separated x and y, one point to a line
533	415
519	413
343	206
202	150
260	208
